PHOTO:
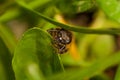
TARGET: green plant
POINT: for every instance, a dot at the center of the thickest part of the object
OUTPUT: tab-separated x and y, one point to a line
35	58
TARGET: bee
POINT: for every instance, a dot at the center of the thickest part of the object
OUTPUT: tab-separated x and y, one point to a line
61	38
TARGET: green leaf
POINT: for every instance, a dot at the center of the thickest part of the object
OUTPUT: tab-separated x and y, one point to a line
68	27
3	76
8	37
111	8
4	4
35	57
101	77
71	7
85	44
103	46
117	75
6	71
15	13
91	71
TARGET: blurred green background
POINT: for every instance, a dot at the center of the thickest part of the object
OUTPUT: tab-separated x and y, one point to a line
26	50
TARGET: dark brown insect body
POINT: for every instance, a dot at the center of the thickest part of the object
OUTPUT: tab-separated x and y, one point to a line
61	39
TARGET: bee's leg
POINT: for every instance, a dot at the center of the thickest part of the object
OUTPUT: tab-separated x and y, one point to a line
62	49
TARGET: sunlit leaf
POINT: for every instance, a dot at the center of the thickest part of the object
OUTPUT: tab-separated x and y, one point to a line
111	8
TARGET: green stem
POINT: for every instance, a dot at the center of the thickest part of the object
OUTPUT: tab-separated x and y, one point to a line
68	27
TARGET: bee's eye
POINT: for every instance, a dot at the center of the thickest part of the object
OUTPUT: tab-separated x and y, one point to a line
60	38
64	37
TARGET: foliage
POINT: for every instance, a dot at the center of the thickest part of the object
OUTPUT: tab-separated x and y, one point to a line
32	56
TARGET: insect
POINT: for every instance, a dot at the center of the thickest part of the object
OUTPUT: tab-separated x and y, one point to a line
61	39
